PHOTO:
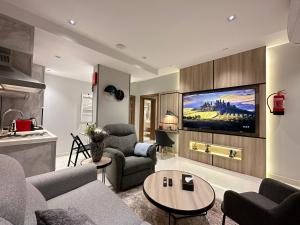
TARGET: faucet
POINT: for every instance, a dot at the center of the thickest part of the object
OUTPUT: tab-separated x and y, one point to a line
8	111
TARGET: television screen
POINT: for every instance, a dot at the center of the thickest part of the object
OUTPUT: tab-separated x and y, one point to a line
224	111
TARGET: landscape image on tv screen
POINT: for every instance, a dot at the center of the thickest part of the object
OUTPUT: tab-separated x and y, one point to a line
223	110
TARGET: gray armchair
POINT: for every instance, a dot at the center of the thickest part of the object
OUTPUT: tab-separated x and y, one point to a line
275	204
126	170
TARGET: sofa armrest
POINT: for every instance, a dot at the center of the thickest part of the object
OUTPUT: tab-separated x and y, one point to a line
117	155
243	211
275	190
59	182
152	153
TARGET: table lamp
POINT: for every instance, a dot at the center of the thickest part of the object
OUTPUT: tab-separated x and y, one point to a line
170	119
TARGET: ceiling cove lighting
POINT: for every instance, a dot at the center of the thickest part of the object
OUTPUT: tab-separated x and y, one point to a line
72	22
231	18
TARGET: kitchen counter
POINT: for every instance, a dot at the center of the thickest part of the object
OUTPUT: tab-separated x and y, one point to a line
35	150
24	138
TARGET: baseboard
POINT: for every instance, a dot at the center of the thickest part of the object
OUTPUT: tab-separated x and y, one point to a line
62	154
287	180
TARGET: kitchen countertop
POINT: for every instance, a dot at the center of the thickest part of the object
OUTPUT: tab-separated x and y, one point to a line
46	136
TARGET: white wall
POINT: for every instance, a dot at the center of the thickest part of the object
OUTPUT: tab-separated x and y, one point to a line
110	110
283	132
153	86
62	108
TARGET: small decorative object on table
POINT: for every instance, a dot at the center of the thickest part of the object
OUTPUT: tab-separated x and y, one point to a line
187	182
232	153
97	136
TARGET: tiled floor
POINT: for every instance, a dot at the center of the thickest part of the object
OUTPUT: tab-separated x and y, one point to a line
220	179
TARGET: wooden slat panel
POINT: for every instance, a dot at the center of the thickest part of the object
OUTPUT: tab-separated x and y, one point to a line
241	69
169	101
253	156
196	78
185	137
262	110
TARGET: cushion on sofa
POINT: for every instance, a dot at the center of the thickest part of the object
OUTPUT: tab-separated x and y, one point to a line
134	164
34	201
259	199
71	216
12	206
142	149
99	203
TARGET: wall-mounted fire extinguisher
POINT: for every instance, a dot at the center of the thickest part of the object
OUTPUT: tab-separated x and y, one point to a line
278	103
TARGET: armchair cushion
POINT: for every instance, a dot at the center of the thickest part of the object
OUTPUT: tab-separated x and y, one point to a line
142	149
259	200
134	164
122	137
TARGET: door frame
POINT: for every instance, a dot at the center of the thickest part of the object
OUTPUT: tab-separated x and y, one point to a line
142	105
132	102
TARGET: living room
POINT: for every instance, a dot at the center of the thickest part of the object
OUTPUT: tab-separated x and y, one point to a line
149	112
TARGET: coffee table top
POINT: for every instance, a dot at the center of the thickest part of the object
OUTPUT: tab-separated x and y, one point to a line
104	162
174	199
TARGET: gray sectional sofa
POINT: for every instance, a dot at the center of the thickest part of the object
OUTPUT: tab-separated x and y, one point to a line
74	187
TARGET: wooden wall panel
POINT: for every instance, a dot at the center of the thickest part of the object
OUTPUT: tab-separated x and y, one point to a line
169	101
262	110
241	69
184	150
196	78
253	157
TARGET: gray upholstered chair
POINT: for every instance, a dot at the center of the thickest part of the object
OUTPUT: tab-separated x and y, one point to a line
275	204
126	170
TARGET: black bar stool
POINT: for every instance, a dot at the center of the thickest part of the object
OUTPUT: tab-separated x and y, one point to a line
78	147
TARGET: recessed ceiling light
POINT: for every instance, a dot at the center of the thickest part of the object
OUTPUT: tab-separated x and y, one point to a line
144	57
231	18
225	49
137	66
120	46
58	57
72	22
48	70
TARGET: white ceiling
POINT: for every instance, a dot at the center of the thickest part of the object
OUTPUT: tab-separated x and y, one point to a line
172	34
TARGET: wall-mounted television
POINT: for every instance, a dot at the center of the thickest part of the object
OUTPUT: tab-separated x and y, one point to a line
228	110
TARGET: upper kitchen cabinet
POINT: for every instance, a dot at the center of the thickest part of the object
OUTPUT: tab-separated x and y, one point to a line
196	78
241	69
16	35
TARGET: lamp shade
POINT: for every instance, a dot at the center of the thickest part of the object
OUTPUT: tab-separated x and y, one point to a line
170	118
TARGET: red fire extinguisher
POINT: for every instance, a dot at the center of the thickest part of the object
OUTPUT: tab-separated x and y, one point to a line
278	103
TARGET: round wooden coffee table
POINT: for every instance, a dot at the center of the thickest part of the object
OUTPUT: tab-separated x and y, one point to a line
102	164
177	202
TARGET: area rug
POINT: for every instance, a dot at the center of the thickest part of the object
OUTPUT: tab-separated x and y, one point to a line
136	200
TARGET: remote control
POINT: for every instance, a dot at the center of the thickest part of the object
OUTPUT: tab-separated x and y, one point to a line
165	182
170	181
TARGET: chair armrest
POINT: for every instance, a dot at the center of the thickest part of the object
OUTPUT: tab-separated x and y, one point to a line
243	211
152	153
59	182
117	155
288	211
275	190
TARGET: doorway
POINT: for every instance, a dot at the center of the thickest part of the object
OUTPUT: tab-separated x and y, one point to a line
148	117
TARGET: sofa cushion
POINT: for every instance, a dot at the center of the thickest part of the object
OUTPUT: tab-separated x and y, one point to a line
99	203
34	201
259	200
69	216
12	191
134	164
